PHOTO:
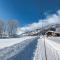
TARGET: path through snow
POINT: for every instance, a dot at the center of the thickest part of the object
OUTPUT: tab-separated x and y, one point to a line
52	49
39	52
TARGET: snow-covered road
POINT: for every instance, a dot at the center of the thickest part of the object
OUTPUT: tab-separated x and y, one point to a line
21	48
30	48
11	41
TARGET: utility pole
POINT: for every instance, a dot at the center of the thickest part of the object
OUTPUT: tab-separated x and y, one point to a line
44	39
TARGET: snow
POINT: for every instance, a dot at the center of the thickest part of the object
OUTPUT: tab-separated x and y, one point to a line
52	49
12	50
11	41
27	52
12	46
54	43
39	52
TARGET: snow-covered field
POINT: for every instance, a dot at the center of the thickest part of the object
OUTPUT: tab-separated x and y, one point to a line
51	50
30	48
13	46
11	41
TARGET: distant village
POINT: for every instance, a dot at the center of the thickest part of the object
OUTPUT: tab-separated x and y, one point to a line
8	30
53	30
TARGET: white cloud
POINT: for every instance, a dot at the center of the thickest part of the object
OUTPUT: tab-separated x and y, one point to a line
58	12
50	19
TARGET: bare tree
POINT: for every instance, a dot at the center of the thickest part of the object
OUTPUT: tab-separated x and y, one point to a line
1	27
12	26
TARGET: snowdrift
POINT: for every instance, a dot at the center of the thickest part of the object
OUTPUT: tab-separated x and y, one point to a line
40	50
48	51
30	48
10	52
53	48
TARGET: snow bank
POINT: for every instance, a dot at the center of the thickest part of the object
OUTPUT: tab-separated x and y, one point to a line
40	50
27	52
53	49
11	41
10	51
48	51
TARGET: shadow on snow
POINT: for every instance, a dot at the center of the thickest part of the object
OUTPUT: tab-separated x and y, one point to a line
27	53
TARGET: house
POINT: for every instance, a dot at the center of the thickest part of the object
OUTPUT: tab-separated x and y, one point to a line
57	33
50	33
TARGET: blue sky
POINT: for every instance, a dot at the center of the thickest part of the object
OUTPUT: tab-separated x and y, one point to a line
27	11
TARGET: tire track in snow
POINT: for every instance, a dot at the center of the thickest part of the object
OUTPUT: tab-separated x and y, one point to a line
27	53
